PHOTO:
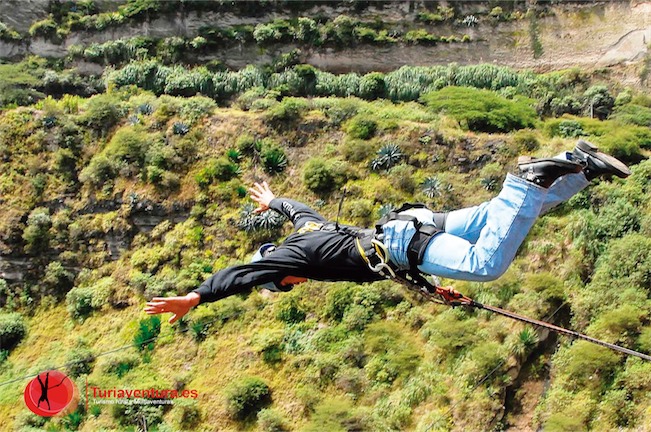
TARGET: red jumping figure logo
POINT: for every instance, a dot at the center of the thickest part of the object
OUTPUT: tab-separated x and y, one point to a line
51	393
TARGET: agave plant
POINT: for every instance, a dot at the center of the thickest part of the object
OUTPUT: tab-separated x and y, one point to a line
144	109
274	160
489	183
250	221
385	209
180	128
432	187
388	156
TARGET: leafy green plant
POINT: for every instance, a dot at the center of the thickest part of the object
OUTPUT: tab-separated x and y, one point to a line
250	221
148	331
83	300
36	234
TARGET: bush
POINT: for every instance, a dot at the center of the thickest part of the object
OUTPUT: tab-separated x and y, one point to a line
57	280
270	420
221	169
37	232
286	112
626	142
585	361
482	110
570	129
81	301
102	112
247	396
12	329
361	127
318	176
598	102
633	115
289	310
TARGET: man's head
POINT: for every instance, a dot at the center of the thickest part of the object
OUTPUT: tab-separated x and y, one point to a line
285	283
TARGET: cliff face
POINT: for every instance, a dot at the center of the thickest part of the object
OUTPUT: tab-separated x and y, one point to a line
564	35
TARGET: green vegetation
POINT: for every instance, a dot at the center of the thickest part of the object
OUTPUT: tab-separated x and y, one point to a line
134	185
12	329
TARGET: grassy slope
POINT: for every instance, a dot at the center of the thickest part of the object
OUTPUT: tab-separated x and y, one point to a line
231	351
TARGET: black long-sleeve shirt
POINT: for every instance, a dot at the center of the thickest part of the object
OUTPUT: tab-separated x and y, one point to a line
319	255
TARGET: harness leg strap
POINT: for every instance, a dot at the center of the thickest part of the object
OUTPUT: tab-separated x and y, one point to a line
419	242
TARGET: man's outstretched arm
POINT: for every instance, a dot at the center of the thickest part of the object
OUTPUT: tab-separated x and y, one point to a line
298	213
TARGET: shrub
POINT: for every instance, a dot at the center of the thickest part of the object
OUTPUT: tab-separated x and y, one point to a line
57	280
318	176
626	142
633	114
44	28
570	129
286	112
81	301
289	310
12	329
36	234
101	113
598	101
220	169
585	361
270	420
361	128
247	396
100	170
482	110
189	417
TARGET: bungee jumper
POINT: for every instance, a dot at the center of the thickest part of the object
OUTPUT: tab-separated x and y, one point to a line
475	243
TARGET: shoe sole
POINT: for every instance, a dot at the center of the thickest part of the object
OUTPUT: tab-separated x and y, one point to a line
621	170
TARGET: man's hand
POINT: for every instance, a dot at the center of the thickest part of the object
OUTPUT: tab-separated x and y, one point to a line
261	193
179	306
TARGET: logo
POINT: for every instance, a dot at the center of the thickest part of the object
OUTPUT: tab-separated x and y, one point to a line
50	393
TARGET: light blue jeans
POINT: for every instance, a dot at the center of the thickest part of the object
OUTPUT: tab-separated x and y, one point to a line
480	242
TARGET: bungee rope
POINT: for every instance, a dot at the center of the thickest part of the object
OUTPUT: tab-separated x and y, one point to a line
449	296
